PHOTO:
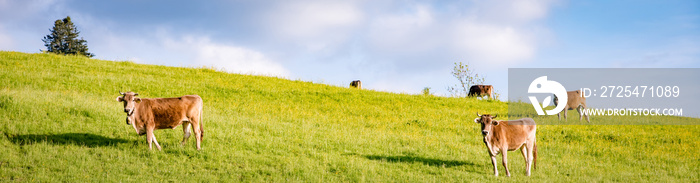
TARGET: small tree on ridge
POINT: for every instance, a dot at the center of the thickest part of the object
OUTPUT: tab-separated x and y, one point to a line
466	78
63	39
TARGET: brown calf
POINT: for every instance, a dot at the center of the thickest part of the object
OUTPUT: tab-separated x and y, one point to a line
148	114
356	84
575	101
504	136
480	90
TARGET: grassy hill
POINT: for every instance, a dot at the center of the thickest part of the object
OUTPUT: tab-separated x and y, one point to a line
59	121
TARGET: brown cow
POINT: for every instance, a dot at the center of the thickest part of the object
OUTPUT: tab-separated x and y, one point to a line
575	101
356	84
504	136
148	114
480	90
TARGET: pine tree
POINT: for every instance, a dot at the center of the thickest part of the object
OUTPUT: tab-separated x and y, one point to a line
64	39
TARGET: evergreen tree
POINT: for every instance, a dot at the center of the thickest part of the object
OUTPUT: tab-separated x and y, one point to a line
64	39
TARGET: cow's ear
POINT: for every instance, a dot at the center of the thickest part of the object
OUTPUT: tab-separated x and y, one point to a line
476	120
495	123
137	100
120	98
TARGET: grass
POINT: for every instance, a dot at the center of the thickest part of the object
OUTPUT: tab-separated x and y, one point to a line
59	121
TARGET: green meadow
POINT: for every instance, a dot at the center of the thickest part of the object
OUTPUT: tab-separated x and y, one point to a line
60	122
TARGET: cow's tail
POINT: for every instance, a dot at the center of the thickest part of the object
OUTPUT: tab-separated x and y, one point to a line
534	156
201	123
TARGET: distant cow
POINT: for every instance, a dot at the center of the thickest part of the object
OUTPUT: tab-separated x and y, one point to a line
504	136
480	90
575	101
356	84
148	114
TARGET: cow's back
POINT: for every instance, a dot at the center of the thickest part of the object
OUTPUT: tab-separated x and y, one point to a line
517	132
575	99
475	89
480	90
170	112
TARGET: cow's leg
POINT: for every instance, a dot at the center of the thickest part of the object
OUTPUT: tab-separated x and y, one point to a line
505	162
559	116
186	130
156	142
566	114
197	132
529	157
495	169
584	114
149	137
523	150
580	114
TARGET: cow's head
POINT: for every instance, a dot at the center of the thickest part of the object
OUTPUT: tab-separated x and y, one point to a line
129	99
487	123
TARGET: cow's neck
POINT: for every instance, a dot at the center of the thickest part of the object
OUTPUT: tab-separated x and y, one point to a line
136	120
495	140
489	144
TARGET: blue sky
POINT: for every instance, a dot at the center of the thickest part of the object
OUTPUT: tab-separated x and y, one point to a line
396	46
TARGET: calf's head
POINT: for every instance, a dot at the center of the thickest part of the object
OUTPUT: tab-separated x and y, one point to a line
130	100
487	123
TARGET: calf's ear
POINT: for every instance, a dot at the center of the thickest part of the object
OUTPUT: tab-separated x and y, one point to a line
120	98
137	100
495	123
476	120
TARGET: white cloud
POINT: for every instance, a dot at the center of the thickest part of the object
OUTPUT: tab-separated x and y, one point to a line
234	59
196	51
314	24
161	46
311	18
512	11
488	33
416	31
494	44
500	32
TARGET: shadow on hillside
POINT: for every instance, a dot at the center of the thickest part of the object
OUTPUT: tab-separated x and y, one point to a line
82	139
426	161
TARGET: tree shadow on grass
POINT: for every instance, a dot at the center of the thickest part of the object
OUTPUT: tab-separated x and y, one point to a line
413	159
81	139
